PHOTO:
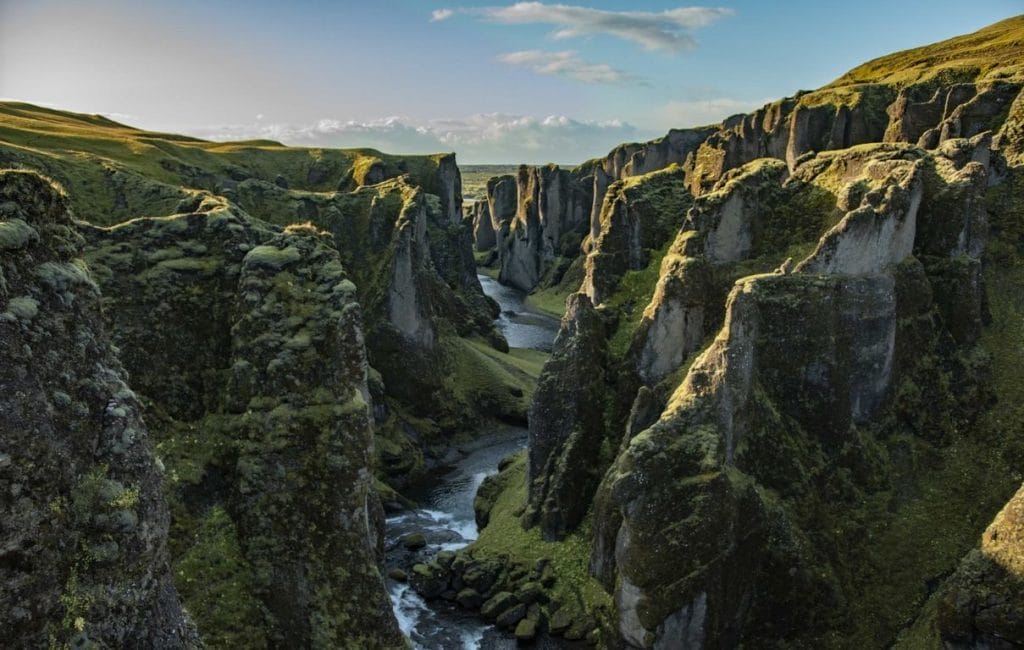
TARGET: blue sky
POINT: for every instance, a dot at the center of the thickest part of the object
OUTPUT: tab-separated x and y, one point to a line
495	82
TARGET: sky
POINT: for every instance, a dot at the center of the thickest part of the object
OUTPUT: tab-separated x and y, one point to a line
496	82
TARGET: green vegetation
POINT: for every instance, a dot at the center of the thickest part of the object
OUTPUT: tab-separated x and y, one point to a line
989	455
574	588
213	577
995	52
483	376
114	172
632	296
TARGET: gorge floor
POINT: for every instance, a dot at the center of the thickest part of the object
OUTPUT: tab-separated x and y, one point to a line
445	514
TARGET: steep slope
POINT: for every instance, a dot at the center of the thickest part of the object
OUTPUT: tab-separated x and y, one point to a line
83	543
397	223
810	403
260	399
957	88
295	321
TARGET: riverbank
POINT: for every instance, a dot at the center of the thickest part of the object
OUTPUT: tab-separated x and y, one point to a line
444	520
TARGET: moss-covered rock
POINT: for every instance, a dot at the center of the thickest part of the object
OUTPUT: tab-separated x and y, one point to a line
981	604
639	216
567	424
552	216
260	400
84	538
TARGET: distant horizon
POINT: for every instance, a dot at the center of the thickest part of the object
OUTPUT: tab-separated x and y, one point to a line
529	82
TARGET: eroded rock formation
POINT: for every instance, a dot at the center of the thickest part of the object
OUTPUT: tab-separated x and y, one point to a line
260	399
83	544
566	429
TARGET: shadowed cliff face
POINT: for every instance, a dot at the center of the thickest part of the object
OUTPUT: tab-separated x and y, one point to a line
259	398
565	430
550	221
83	544
980	604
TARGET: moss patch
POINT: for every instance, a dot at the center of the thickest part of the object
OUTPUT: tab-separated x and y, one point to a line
213	577
574	588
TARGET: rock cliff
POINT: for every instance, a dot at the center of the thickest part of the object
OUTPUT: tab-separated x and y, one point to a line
247	319
259	400
566	430
85	533
396	223
809	407
552	207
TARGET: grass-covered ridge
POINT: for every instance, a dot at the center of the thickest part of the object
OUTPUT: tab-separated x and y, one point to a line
113	172
994	52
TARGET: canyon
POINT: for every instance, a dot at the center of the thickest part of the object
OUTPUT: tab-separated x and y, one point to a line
782	408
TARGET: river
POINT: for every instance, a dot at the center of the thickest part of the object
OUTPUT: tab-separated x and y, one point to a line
445	516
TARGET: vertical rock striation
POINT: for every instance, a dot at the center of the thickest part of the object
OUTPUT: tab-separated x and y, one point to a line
567	423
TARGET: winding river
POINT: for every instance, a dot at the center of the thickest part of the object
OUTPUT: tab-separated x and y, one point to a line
445	516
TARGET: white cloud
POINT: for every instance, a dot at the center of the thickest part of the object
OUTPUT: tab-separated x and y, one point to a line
438	15
669	30
568	64
482	138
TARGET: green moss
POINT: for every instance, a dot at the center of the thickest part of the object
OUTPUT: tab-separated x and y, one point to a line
202	266
63	277
550	296
16	234
213	579
188	450
23	308
574	588
483	378
272	257
481	258
632	296
942	498
530	362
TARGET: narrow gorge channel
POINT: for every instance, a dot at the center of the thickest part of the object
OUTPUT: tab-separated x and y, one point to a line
445	514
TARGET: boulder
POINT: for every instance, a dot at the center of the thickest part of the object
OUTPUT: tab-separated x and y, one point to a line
498	604
429	580
980	605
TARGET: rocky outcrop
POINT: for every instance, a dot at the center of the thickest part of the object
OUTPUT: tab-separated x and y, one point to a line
971	109
567	423
831	119
637	159
979	606
259	397
406	305
872	320
502	203
759	494
484	238
874	237
639	216
1010	139
448	188
551	219
764	386
568	204
83	543
674	323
